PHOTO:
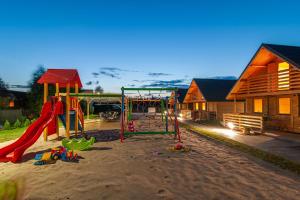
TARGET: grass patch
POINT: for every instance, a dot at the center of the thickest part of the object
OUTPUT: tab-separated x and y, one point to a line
261	154
8	190
6	135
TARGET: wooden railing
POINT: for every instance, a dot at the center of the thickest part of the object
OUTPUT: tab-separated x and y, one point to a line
283	80
240	121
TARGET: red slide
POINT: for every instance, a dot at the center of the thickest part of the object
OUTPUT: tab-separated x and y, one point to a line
14	151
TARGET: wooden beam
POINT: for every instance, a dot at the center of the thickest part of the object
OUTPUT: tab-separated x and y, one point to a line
57	119
68	110
45	100
76	110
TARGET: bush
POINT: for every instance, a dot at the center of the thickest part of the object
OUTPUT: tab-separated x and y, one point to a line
26	123
17	124
6	125
32	121
22	119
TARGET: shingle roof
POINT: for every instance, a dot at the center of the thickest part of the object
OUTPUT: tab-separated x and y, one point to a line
181	94
289	53
214	89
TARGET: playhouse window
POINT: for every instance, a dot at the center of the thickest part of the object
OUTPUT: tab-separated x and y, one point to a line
283	76
258	105
203	106
284	106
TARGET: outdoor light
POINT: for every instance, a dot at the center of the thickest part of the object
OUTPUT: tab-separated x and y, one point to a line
230	125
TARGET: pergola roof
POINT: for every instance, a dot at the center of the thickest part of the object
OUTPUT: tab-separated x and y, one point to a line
62	77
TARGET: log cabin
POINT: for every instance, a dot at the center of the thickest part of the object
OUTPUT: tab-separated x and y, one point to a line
270	86
181	106
206	98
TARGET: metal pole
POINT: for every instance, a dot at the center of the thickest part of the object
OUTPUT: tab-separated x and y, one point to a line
167	115
122	115
175	118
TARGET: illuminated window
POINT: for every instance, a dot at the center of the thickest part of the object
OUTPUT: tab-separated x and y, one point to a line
203	106
284	106
11	104
283	76
258	105
197	106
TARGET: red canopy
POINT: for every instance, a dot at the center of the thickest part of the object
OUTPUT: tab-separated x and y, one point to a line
61	76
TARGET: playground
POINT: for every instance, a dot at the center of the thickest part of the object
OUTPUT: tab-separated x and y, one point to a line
145	154
142	168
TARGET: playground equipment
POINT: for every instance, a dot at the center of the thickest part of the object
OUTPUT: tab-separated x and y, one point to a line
127	109
66	79
14	151
78	144
64	106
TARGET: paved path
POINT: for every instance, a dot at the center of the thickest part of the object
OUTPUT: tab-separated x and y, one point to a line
283	144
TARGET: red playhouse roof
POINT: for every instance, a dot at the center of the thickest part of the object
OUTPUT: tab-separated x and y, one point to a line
61	76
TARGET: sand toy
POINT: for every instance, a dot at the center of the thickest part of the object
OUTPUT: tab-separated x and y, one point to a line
78	144
179	147
54	155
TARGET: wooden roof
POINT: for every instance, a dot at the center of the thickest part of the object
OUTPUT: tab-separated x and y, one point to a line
61	76
265	54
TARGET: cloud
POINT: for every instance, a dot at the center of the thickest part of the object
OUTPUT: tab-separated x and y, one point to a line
109	74
158	74
19	86
95	74
223	77
182	83
113	72
116	69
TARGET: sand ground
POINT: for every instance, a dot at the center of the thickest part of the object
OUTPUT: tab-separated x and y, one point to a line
143	168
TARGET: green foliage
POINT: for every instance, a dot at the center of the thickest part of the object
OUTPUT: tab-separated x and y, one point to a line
33	120
6	125
22	119
26	123
99	89
17	124
3	85
35	96
8	190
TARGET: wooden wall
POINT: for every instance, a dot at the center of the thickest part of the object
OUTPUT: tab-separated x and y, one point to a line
225	107
272	119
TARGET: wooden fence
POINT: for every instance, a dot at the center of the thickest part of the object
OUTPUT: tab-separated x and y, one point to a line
241	121
11	115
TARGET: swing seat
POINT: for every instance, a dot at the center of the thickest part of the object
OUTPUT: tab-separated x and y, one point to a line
131	126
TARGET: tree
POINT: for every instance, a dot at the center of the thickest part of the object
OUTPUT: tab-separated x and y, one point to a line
35	95
99	89
3	85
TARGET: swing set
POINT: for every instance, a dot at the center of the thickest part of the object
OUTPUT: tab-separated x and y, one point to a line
142	104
